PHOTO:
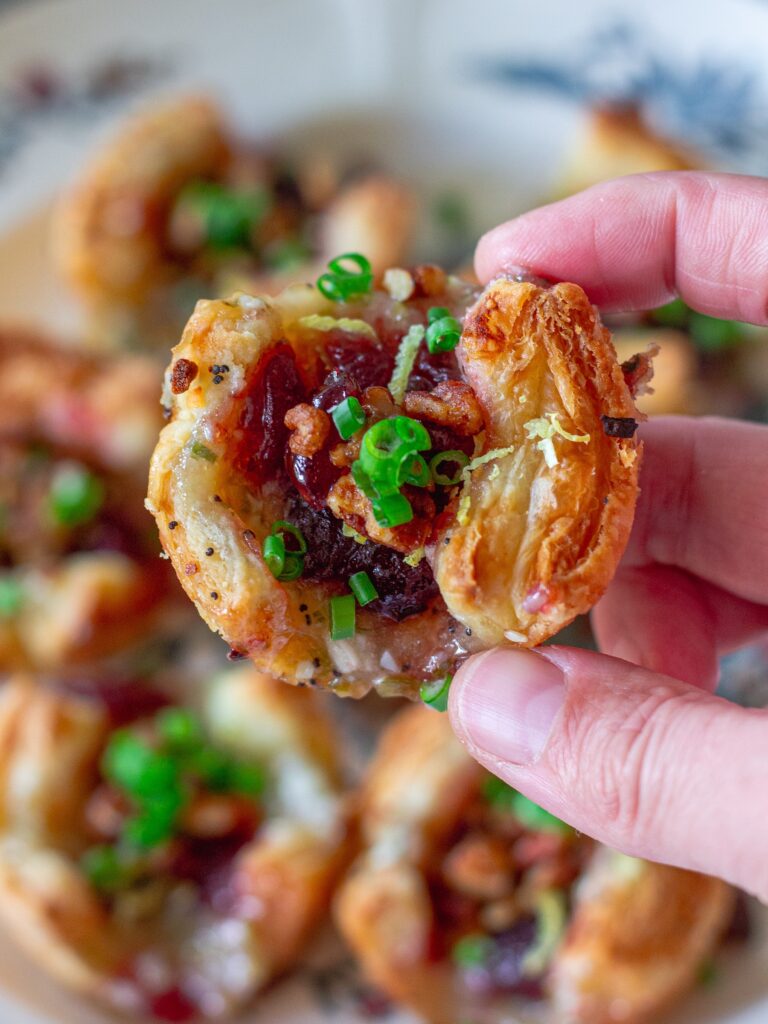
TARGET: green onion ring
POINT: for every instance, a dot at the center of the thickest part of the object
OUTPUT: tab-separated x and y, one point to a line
452	456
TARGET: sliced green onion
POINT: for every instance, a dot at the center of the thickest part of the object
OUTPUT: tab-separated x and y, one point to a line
437	313
506	799
472	951
459	458
293	568
443	335
153	825
11	597
392	510
674	314
274	554
413	433
380	443
348	416
104	868
131	764
435	693
712	334
342	617
76	495
413	470
362	587
364	482
180	729
281	526
248	779
285	563
290	254
200	451
226	218
340	283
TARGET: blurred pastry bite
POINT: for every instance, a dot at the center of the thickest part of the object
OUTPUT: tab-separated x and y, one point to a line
471	902
175	206
358	485
619	141
79	567
167	863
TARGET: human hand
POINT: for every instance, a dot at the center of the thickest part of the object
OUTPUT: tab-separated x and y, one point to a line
645	758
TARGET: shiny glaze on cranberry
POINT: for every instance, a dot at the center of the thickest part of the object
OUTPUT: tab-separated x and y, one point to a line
368	362
271	390
173	1006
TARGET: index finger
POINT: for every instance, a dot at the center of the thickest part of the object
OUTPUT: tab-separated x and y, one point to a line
636	242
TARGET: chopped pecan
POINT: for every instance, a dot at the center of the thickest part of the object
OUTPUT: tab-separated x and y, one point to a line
183	372
452	403
350	505
345	454
215	815
480	866
309	428
428	280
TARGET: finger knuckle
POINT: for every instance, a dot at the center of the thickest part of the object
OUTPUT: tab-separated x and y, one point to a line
619	780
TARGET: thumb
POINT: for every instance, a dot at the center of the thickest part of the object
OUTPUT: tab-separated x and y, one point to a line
643	762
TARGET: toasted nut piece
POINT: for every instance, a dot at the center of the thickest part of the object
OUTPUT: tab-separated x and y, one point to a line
310	428
480	866
450	404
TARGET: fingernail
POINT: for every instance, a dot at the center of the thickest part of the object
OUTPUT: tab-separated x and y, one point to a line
507	702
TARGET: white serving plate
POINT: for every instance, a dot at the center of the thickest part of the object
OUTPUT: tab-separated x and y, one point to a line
406	81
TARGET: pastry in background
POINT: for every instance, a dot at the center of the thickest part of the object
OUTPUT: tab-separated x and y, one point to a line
618	141
469	902
174	206
79	568
164	862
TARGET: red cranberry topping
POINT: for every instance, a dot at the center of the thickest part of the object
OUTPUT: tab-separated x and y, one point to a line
403	589
502	970
173	1006
315	476
272	389
208	863
431	369
124	700
367	361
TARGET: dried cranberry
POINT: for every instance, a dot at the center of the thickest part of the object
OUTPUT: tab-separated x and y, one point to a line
403	589
367	361
208	862
173	1006
124	700
502	969
273	387
315	476
431	369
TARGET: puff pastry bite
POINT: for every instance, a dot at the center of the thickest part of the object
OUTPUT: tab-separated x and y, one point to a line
175	206
463	463
470	902
165	863
79	571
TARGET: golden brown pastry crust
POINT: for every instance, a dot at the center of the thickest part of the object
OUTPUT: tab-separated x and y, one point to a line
554	532
531	352
635	940
50	743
